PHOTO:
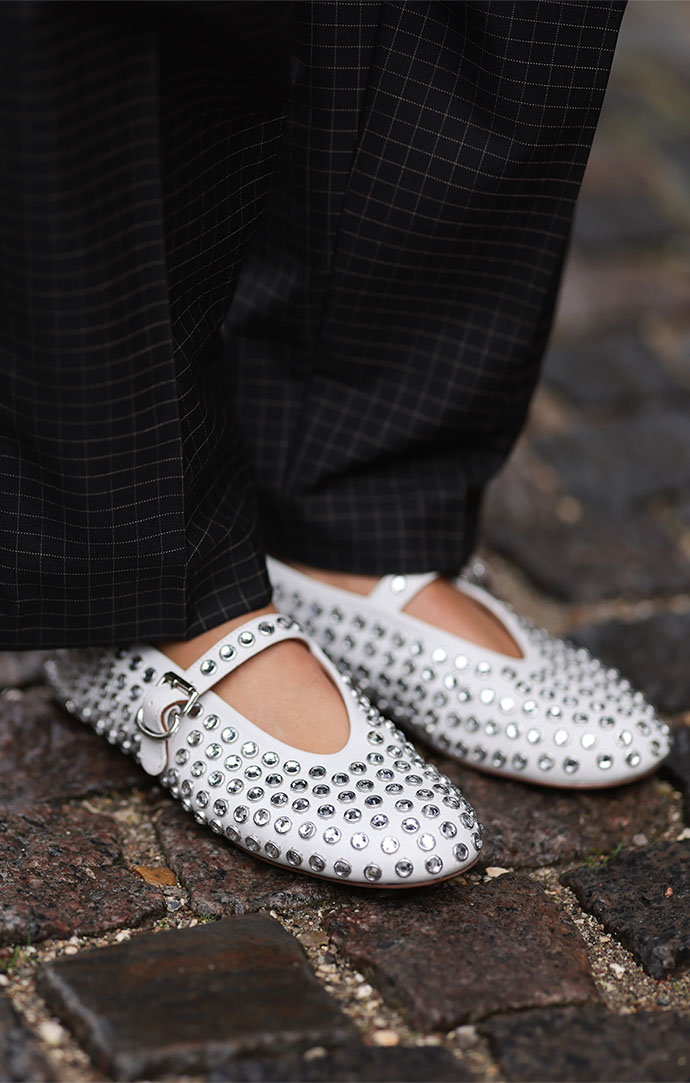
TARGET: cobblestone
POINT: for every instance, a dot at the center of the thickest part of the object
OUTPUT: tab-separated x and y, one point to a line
222	879
573	1044
61	872
192	1000
527	826
20	1057
46	756
643	899
652	653
354	1064
454	954
616	466
614	372
19	668
677	766
602	296
626	219
574	553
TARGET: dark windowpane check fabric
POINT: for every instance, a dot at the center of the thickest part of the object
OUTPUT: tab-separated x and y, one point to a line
137	149
388	323
391	317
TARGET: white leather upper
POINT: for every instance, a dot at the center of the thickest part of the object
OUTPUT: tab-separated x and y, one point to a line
373	813
556	716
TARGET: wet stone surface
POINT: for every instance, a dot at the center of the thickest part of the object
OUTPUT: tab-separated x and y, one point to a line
616	371
192	1000
643	899
222	879
681	508
622	219
18	668
46	756
611	294
588	560
616	466
652	654
61	873
530	826
20	1058
454	954
677	767
575	1044
352	1064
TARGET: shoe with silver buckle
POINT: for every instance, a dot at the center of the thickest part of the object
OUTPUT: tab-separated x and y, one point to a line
556	716
374	813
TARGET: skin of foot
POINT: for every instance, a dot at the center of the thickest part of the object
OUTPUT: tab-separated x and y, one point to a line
284	690
440	604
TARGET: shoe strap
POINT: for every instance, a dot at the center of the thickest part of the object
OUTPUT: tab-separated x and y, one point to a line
393	592
182	688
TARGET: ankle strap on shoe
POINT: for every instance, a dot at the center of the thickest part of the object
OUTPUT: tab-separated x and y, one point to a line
163	711
393	592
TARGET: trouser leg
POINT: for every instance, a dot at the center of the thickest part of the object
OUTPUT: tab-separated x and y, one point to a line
137	145
389	324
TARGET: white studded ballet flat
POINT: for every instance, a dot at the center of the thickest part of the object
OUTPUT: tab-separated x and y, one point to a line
374	813
556	716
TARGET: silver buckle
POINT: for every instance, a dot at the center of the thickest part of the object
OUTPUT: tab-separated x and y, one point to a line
175	715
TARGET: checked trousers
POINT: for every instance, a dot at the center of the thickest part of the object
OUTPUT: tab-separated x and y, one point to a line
274	277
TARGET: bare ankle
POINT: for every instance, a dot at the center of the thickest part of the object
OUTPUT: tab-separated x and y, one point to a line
283	690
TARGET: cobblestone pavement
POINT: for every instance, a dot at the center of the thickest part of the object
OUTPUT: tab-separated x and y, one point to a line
134	945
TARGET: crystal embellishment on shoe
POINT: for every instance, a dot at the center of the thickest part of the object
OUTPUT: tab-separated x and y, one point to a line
556	716
353	815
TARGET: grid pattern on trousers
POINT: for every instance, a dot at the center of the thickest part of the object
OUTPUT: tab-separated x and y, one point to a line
389	323
137	145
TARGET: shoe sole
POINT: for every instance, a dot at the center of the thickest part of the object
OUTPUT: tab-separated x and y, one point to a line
344	882
540	783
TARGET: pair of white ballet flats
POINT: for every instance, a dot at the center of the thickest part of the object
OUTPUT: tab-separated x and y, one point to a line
375	813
